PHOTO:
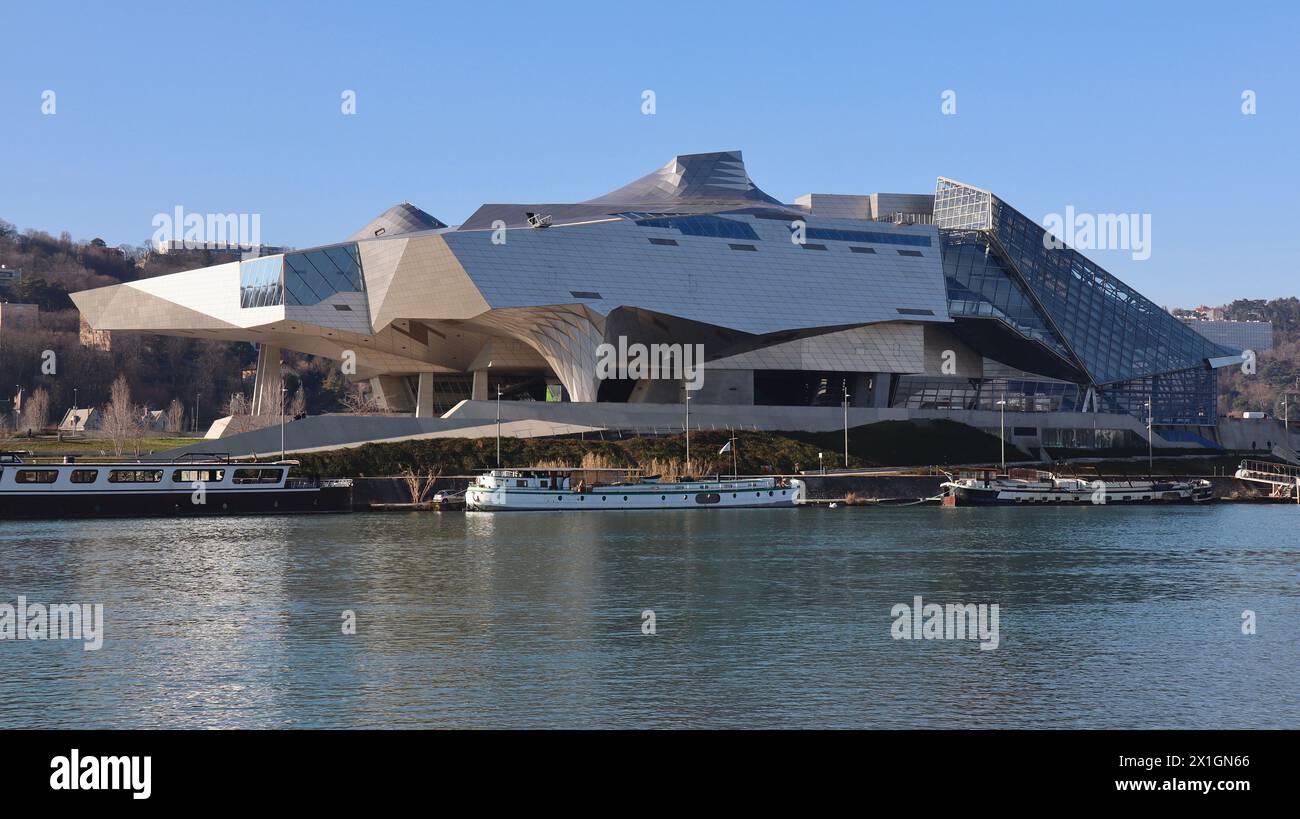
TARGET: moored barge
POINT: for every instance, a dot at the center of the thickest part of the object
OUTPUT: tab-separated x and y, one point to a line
1046	488
189	487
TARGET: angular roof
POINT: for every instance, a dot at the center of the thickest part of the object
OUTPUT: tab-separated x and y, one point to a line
399	219
690	183
717	178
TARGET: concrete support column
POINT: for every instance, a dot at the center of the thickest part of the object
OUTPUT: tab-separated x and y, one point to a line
479	389
860	390
424	396
881	384
267	382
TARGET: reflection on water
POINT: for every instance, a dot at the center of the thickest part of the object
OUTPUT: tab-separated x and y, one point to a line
1109	618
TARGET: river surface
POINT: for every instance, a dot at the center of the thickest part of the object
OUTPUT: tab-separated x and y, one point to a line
1107	618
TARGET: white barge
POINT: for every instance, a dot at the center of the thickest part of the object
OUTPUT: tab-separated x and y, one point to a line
502	490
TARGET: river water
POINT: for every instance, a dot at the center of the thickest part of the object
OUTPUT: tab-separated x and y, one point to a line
1107	618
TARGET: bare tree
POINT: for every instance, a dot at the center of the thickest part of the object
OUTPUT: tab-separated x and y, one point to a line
121	419
419	485
175	416
240	412
36	411
298	406
360	400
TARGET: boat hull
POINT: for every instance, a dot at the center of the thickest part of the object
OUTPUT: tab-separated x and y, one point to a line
173	503
615	498
993	496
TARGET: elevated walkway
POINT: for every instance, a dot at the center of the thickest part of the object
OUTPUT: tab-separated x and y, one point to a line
1282	480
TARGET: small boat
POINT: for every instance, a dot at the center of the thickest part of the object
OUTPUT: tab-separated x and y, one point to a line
192	486
502	490
1046	488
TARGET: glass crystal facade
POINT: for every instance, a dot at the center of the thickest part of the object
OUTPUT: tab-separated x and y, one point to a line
997	265
980	286
259	282
300	279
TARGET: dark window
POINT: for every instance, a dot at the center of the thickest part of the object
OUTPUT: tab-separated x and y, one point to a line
83	475
343	307
704	225
839	235
910	253
742	247
912	311
655	241
257	476
1025	432
857	249
37	476
135	476
584	294
812	247
708	497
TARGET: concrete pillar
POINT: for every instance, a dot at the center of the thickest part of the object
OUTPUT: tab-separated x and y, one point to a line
880	390
860	389
479	389
267	382
424	396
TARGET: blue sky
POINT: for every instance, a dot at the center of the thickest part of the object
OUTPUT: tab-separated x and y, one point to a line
233	107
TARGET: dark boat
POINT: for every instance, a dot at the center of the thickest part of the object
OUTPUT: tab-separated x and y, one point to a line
989	489
194	486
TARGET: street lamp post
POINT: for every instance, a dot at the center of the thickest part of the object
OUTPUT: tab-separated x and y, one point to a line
1150	445
197	396
821	466
688	432
498	426
1003	430
846	423
282	392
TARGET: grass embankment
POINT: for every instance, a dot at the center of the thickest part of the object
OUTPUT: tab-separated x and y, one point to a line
45	446
890	443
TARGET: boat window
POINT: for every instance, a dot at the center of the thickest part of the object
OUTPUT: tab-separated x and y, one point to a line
203	475
257	476
37	475
135	476
84	475
521	483
708	497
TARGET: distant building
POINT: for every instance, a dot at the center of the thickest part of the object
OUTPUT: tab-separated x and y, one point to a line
18	316
1235	335
9	275
95	339
154	420
84	419
183	246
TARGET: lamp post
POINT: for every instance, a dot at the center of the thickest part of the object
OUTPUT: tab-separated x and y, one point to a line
498	426
1003	430
688	432
1150	446
821	467
282	392
197	396
846	423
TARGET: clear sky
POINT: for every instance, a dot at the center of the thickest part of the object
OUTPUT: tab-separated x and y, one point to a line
236	107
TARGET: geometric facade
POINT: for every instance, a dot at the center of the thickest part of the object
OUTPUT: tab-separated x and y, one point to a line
953	303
